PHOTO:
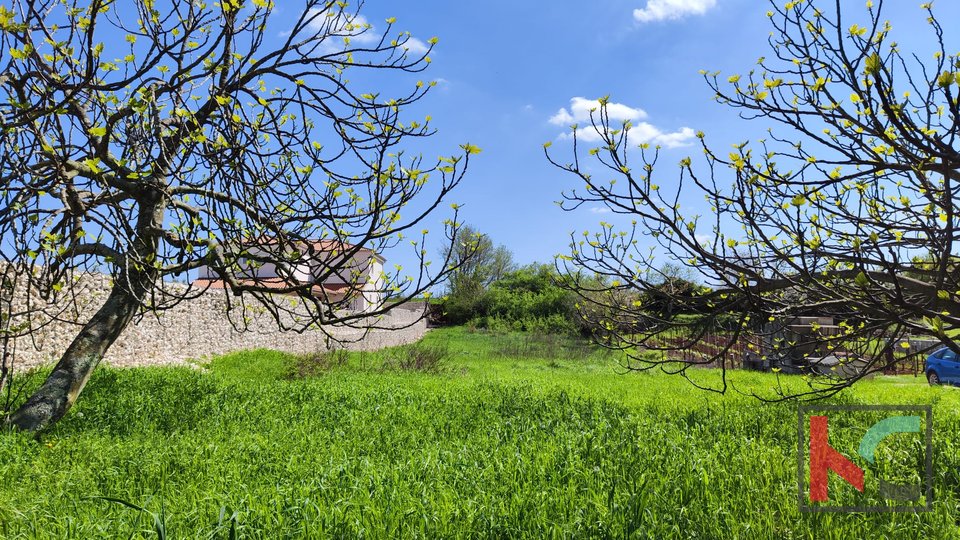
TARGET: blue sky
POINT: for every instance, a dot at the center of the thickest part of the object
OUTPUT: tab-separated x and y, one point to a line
510	67
505	69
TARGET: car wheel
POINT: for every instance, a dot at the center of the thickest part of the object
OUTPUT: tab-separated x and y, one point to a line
933	378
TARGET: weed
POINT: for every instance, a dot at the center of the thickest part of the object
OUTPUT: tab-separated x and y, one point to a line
312	365
546	346
418	357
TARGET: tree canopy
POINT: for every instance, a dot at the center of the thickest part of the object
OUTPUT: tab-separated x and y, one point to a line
848	208
479	263
152	137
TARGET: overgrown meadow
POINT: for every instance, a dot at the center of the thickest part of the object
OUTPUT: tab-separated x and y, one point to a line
468	434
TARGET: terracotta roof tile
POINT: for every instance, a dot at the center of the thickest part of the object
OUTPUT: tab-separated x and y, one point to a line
332	291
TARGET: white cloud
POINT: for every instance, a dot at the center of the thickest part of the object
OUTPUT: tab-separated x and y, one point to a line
580	109
344	24
561	118
661	10
600	210
675	139
640	132
416	47
703	239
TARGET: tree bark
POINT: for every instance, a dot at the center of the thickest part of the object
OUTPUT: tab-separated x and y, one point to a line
136	277
58	393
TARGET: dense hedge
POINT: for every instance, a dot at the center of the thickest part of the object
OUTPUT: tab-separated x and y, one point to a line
527	299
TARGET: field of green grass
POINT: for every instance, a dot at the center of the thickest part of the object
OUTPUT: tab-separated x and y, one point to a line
509	436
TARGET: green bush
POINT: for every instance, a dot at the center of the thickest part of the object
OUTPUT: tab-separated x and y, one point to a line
529	299
461	308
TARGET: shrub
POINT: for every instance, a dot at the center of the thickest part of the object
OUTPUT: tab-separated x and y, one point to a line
311	365
529	299
418	357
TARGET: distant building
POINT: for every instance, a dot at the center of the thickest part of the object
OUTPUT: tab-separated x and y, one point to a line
359	281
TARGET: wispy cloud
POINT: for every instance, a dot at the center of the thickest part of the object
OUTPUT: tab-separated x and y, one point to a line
600	210
416	47
355	27
343	23
641	132
662	10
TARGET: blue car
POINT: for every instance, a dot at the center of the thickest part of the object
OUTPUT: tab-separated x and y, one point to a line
943	367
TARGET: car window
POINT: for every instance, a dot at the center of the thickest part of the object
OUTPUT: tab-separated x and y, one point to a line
949	355
939	354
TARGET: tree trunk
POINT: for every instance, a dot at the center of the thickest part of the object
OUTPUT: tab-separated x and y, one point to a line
58	393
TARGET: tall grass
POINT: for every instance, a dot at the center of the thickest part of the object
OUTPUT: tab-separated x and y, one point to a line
496	447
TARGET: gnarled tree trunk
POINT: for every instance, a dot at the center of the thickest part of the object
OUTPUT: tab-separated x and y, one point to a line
58	393
62	387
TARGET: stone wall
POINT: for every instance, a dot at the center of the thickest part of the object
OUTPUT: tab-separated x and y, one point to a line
199	328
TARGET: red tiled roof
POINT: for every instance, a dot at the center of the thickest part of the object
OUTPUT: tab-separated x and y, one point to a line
331	291
337	246
324	245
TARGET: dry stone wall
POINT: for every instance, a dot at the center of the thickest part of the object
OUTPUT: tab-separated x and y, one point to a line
200	328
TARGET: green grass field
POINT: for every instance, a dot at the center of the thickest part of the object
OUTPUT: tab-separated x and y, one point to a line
512	437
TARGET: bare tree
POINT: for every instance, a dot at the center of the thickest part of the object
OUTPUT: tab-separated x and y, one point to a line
153	137
479	262
848	209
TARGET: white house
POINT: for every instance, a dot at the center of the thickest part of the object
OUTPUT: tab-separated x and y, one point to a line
361	279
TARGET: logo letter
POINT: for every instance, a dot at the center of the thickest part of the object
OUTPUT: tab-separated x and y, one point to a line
824	458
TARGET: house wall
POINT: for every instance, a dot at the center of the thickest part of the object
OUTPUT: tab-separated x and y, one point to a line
364	267
198	329
266	270
373	288
308	272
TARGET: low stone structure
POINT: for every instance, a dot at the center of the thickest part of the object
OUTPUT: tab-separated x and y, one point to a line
200	328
